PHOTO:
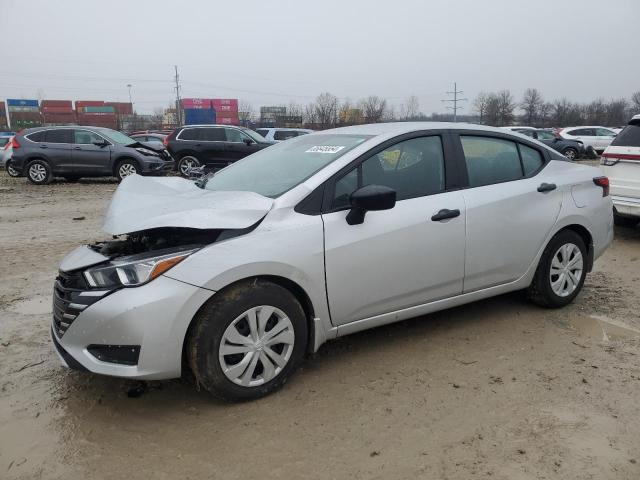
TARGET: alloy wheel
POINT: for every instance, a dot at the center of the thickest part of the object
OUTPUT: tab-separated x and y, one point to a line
256	346
570	154
566	270
127	169
187	163
37	172
12	171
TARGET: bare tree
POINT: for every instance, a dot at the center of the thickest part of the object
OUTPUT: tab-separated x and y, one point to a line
480	106
410	110
617	112
635	103
310	116
373	108
245	112
595	113
295	110
532	101
506	106
566	113
326	107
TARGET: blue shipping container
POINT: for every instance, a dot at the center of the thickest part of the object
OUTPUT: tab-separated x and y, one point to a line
17	102
199	116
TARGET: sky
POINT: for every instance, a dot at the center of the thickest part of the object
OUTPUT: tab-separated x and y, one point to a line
274	52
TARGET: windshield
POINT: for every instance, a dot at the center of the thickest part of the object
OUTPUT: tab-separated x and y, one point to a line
276	169
254	136
116	137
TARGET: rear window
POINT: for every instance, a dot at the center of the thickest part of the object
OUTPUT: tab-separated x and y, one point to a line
58	136
284	134
263	132
190	134
628	137
36	136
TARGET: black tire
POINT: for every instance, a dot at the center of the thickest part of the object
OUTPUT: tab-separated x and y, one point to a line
211	322
38	172
621	221
72	178
186	162
124	166
540	290
12	172
570	153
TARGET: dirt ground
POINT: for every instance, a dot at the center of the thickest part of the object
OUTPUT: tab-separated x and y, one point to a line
497	389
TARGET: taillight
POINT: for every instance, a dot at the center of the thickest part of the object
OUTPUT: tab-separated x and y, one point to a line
14	143
165	142
602	182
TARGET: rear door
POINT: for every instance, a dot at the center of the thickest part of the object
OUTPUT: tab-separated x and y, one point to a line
604	137
397	258
508	219
57	148
213	144
89	158
586	136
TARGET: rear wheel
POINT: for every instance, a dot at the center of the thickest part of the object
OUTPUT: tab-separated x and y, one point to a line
247	340
561	271
39	172
125	168
186	163
11	171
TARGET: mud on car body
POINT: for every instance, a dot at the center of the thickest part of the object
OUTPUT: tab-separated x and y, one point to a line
271	257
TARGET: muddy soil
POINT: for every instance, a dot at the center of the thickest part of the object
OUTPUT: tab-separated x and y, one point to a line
497	389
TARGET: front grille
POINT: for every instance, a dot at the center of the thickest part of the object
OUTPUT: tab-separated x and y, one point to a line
71	295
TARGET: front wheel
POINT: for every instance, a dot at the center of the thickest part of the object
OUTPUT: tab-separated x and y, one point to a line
561	271
11	171
186	163
247	340
126	168
39	172
570	153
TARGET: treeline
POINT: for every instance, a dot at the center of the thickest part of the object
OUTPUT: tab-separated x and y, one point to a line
501	108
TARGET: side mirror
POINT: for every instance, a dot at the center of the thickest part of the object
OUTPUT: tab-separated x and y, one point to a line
101	144
248	141
370	197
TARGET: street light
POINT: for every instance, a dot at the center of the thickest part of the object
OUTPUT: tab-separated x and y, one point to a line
129	87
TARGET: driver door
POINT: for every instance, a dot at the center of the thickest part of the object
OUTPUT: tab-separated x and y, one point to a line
87	157
397	258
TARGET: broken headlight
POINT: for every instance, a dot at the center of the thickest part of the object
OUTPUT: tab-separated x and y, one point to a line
134	270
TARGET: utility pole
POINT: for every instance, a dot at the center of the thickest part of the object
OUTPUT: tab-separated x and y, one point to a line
130	101
455	101
177	87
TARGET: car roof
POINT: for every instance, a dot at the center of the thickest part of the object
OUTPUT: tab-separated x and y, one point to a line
212	125
399	128
587	126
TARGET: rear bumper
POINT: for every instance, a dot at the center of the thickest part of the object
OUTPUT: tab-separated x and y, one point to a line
626	206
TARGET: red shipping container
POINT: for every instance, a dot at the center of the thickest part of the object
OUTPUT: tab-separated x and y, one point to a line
228	120
222	109
195	103
57	103
57	110
121	108
2	107
89	103
225	102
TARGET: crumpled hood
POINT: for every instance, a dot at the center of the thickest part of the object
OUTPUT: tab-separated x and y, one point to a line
141	203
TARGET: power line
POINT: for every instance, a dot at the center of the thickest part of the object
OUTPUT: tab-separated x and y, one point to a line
455	101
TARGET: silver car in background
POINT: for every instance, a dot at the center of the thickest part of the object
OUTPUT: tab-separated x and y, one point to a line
318	237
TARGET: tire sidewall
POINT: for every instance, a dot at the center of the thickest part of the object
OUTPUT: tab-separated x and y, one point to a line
125	161
179	165
214	318
9	169
48	176
544	279
575	153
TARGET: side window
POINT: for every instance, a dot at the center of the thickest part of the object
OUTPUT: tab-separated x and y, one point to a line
284	135
86	137
604	132
413	168
531	159
36	136
579	132
189	134
546	136
58	136
263	132
234	135
212	134
490	160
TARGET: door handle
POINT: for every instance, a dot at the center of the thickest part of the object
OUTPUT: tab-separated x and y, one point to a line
546	187
444	214
43	146
77	148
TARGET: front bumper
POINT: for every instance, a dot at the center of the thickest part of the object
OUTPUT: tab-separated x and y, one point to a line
626	206
158	167
154	317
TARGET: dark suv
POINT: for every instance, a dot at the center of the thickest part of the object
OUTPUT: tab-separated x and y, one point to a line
214	146
74	152
572	149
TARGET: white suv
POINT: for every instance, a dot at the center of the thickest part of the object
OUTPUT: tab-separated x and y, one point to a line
597	137
621	163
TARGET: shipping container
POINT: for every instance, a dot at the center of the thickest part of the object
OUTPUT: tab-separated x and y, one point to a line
59	118
100	109
57	104
24	115
195	116
89	103
47	110
225	104
195	103
24	109
16	102
226	109
228	120
121	108
2	107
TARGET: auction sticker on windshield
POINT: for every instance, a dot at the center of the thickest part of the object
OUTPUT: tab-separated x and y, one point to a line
324	149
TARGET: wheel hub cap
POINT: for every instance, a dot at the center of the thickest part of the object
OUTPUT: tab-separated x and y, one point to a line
37	172
566	270
256	346
127	169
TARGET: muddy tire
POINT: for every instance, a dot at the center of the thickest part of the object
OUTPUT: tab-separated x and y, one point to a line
39	172
561	272
247	340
